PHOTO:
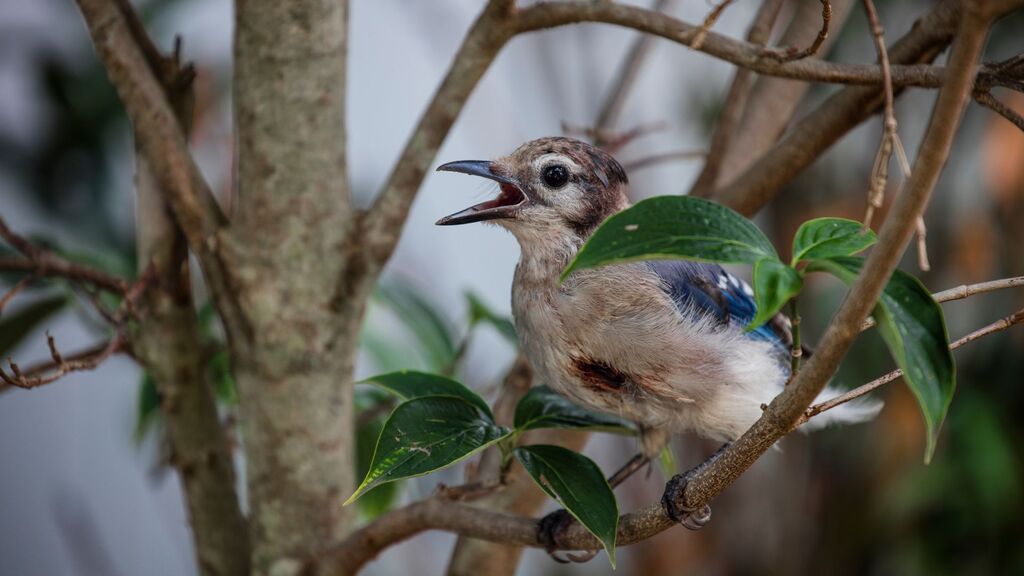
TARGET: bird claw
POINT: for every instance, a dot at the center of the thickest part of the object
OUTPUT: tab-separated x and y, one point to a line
550	528
675	508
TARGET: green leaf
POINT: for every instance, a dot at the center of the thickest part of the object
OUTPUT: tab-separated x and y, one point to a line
218	372
16	325
914	329
774	284
577	484
668	227
432	331
148	406
426	434
830	237
378	500
481	313
409	384
542	407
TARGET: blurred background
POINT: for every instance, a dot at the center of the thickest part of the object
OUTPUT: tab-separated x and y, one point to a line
85	489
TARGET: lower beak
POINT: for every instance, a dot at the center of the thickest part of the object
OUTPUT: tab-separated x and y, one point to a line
506	205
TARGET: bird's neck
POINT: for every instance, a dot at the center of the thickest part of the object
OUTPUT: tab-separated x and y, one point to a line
541	262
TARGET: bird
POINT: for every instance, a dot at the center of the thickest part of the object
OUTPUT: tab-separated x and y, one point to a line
660	343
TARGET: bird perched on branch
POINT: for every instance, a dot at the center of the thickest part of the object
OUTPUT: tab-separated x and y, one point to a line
661	343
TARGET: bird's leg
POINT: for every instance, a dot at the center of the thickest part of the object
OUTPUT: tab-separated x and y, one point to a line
674	500
550	527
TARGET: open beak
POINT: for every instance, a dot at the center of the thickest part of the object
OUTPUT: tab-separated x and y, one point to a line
505	205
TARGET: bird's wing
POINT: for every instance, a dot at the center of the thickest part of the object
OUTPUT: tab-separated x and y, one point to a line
709	290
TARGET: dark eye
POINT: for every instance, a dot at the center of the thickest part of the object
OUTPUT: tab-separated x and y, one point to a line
556	175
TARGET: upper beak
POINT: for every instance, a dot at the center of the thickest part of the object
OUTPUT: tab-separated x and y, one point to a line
504	206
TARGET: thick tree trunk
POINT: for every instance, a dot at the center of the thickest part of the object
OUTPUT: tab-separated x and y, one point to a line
288	246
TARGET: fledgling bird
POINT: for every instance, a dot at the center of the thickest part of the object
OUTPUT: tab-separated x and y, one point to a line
661	343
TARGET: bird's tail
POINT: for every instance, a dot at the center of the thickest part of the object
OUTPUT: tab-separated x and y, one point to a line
859	410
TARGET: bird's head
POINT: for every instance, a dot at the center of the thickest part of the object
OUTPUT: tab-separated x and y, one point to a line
551	190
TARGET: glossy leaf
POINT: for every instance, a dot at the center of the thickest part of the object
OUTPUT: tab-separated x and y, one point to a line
774	284
377	500
409	384
830	237
481	313
668	227
914	329
542	407
15	325
577	484
426	434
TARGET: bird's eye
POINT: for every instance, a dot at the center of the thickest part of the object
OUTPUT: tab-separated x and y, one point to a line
556	175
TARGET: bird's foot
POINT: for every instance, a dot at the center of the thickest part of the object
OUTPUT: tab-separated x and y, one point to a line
674	503
552	527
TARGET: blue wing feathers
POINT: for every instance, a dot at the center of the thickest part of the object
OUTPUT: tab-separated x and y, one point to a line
709	289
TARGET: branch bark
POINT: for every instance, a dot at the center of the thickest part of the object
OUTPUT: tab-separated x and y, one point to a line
773	101
816	132
735	103
192	202
167	344
290	241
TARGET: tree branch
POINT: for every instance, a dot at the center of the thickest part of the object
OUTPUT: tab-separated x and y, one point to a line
742	54
735	103
626	77
773	101
59	366
43	263
194	206
997	326
816	132
894	236
382	227
498	23
986	99
168	345
794	53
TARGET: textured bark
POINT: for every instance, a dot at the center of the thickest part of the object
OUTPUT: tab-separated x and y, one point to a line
167	345
773	101
823	127
288	242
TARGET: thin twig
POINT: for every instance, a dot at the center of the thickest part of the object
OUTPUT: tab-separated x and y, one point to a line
997	326
880	170
793	53
498	23
702	32
986	99
735	104
21	285
968	290
59	366
965	291
810	136
625	78
163	142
